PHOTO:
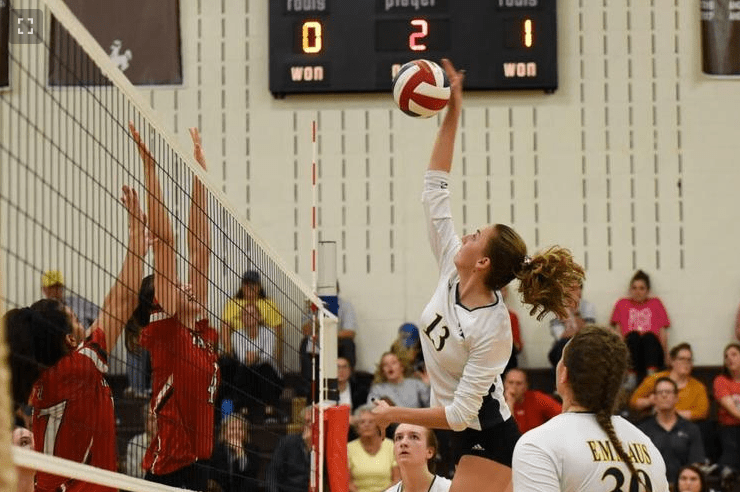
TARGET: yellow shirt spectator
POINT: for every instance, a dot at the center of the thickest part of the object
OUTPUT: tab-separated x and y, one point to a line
692	397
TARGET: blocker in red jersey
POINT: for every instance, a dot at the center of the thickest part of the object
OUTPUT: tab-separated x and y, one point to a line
421	88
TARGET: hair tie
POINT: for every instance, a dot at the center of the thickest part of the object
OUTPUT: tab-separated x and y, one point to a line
526	261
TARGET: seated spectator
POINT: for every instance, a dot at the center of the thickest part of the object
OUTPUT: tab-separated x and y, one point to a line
530	408
677	439
693	402
580	314
516	335
346	328
254	348
52	286
415	450
26	482
691	479
727	394
643	323
234	462
372	467
350	393
251	292
137	445
407	348
290	466
390	382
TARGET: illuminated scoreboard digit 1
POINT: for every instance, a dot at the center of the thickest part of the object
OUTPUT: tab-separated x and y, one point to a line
324	46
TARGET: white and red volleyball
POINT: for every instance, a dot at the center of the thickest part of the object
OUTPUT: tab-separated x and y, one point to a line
421	88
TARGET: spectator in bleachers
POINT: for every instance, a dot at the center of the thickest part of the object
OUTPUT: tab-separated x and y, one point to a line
182	344
691	479
346	328
643	323
350	393
137	445
693	402
516	335
372	467
234	463
52	286
251	292
530	408
23	438
390	382
59	368
258	376
678	440
289	468
407	348
415	451
580	313
727	394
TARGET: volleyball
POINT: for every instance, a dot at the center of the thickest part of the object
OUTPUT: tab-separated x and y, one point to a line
421	88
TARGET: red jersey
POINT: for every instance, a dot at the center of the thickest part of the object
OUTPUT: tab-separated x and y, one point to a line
73	414
536	409
185	379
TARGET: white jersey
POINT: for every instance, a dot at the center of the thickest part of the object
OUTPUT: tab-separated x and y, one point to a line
439	484
572	453
465	351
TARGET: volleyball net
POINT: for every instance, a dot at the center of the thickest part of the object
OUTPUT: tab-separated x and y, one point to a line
67	156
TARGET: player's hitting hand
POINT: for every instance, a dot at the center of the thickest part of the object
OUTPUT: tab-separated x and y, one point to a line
146	156
456	83
381	412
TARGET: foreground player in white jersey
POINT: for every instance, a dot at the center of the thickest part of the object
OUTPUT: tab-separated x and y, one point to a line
466	332
415	448
586	448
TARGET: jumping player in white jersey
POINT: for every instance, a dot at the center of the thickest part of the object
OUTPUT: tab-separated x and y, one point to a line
466	332
586	448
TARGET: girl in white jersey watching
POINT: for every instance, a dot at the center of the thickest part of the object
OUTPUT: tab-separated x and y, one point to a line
465	332
415	448
586	448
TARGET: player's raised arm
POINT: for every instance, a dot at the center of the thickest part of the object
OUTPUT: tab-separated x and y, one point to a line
123	297
199	232
165	273
444	145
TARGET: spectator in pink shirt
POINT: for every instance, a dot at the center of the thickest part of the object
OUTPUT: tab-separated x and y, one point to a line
643	323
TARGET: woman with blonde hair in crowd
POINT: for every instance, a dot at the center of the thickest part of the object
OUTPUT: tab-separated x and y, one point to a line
390	382
415	450
372	467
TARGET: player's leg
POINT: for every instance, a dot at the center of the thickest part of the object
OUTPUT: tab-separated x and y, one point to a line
481	474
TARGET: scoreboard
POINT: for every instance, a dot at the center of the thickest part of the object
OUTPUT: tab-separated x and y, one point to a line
339	46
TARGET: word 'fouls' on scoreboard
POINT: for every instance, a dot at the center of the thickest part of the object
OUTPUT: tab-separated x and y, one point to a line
359	45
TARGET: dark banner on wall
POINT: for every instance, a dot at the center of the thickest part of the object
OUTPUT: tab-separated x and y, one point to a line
4	43
720	37
142	38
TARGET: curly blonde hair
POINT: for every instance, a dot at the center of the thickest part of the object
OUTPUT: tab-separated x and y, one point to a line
546	279
379	376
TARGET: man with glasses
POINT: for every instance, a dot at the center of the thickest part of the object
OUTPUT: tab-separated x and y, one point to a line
692	404
677	439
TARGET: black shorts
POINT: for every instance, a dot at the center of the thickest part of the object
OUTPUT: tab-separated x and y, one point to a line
495	443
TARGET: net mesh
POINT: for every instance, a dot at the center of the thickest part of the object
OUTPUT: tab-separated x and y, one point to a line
66	156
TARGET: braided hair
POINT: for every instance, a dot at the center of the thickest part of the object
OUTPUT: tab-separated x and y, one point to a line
597	361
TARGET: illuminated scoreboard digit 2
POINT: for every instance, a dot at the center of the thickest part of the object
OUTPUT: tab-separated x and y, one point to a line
358	45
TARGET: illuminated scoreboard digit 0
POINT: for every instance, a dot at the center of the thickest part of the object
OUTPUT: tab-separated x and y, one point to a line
358	45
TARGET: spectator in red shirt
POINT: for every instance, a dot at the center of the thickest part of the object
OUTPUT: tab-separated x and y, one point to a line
530	408
727	394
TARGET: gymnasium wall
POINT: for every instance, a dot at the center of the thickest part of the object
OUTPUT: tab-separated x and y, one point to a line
631	164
